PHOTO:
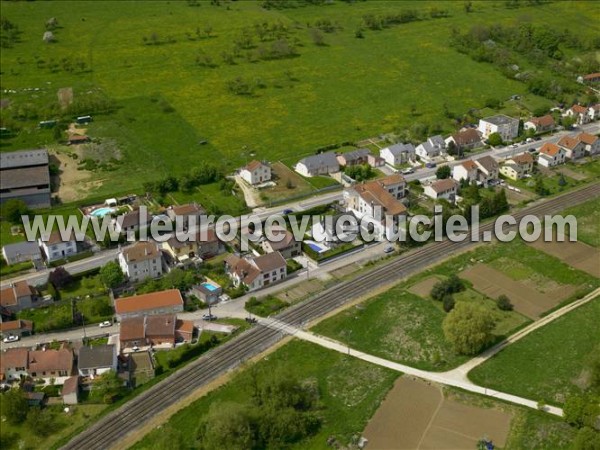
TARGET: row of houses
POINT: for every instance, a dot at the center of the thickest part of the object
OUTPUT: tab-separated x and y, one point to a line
568	148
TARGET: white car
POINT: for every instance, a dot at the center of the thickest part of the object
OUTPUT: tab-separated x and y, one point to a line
105	324
11	338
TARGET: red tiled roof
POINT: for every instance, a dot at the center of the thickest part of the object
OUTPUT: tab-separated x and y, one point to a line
586	138
568	142
444	185
50	360
253	165
523	159
469	164
70	385
141	251
184	326
16	325
544	121
146	302
549	149
132	328
579	109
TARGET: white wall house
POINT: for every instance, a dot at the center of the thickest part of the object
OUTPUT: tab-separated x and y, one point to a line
442	189
591	143
506	127
551	155
255	273
432	147
56	248
140	261
574	148
580	113
96	360
256	172
467	170
321	164
397	154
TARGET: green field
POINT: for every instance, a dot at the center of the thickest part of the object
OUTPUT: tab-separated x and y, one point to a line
549	363
588	221
349	390
166	103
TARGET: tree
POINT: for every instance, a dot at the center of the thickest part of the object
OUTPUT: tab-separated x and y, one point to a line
317	36
504	303
468	327
587	439
111	275
581	410
448	302
228	425
562	182
443	172
540	188
14	406
14	209
468	7
495	139
59	277
108	385
42	423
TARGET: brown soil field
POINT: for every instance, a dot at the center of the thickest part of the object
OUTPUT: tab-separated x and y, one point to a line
526	300
415	415
281	175
423	287
72	182
577	254
572	174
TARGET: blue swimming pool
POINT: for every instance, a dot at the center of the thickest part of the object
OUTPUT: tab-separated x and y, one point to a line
210	287
316	247
101	212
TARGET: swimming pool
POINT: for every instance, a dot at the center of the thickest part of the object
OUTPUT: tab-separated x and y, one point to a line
101	212
210	287
316	247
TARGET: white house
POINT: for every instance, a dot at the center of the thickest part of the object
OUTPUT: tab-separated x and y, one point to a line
140	261
321	164
591	143
255	273
397	154
506	127
551	155
487	170
432	147
518	166
467	170
594	111
132	221
256	172
540	124
580	113
574	148
439	189
46	364
465	139
96	360
56	248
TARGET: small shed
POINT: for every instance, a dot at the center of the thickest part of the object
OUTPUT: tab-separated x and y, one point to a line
70	391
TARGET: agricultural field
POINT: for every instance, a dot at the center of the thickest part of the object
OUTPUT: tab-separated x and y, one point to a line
349	392
164	81
549	364
588	221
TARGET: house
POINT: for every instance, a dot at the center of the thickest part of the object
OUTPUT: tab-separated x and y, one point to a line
70	391
25	175
96	360
132	221
188	215
578	112
439	189
256	272
140	261
162	330
16	328
76	139
467	170
55	248
332	229
594	111
355	157
518	166
506	127
35	398
162	302
574	148
17	296
321	164
591	143
540	124
20	252
375	161
256	172
487	170
13	364
379	200
432	147
397	154
551	155
465	140
209	292
52	366
205	244
288	246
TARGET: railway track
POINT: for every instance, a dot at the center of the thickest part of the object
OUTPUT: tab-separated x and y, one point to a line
110	429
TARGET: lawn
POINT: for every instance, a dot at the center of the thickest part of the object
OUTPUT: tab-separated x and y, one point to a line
588	221
289	184
166	103
549	363
350	390
266	306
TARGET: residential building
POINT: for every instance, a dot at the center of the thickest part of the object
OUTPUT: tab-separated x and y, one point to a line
140	261
594	111
24	175
55	248
17	296
379	200
442	189
518	166
466	139
256	272
574	148
506	127
208	291
13	364
70	391
188	215
162	330
375	161
46	364
578	112
467	170
551	155
432	147
487	170
287	246
21	252
397	154
16	328
591	143
355	157
321	164
96	360
132	221
205	244
256	172
540	124
162	302
333	230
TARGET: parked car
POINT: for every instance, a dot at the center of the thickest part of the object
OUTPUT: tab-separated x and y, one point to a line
529	140
251	319
209	317
388	249
430	165
408	171
108	323
515	145
288	211
11	338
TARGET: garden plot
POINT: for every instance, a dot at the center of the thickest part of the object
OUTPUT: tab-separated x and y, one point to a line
576	254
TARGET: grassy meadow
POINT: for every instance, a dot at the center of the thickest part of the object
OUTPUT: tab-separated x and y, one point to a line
166	103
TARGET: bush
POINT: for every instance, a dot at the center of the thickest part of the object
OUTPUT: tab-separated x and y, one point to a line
451	285
448	302
468	327
504	303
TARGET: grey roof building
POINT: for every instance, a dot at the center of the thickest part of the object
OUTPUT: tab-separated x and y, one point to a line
24	175
321	164
21	252
97	360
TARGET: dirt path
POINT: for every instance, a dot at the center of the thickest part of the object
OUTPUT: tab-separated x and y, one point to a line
73	183
250	195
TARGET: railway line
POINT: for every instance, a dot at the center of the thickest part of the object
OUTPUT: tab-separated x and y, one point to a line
110	429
